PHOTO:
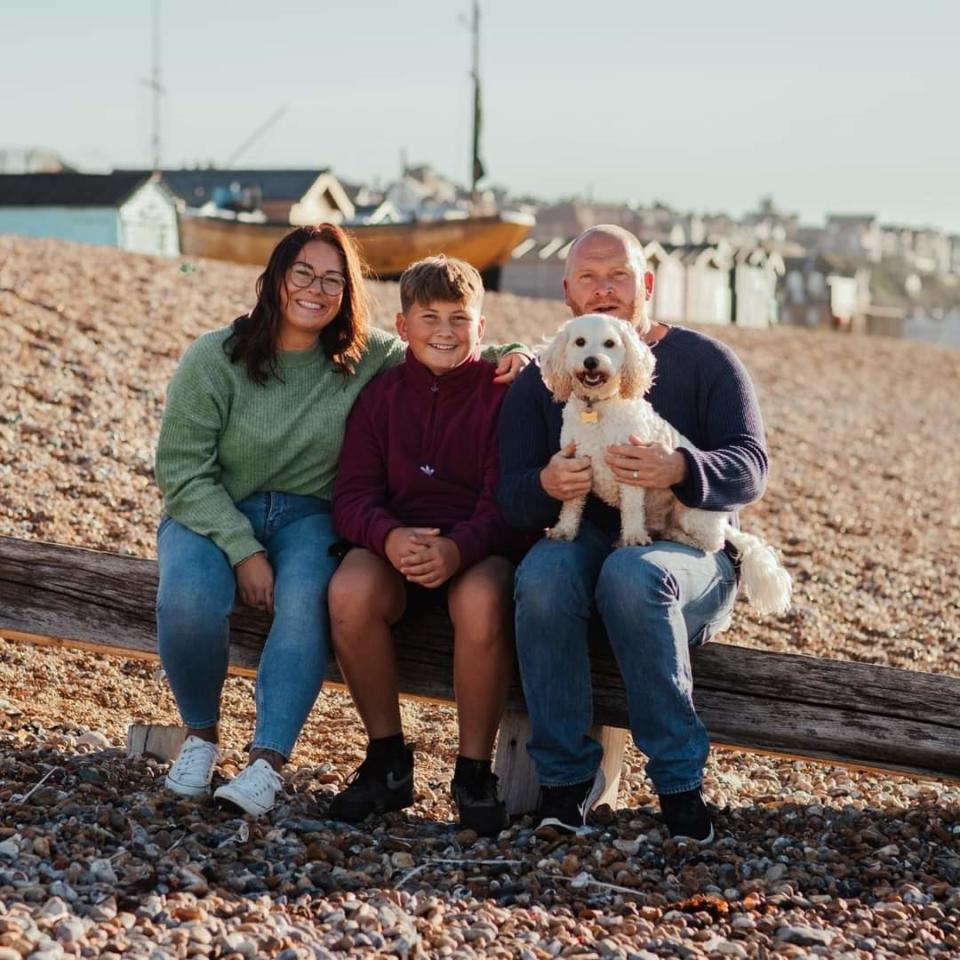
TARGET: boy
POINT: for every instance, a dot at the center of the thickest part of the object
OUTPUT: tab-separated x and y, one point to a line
415	494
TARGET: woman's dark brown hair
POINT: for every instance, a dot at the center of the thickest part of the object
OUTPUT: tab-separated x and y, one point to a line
253	341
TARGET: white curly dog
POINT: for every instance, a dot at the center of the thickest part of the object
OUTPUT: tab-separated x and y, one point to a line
600	369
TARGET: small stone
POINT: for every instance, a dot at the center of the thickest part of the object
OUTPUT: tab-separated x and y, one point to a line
93	740
10	849
104	910
70	930
92	775
730	949
54	908
630	847
60	889
102	871
402	860
805	936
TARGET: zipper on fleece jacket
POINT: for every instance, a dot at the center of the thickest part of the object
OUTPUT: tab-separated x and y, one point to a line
432	427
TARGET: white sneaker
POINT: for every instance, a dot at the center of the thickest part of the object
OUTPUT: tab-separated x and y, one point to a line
192	771
254	789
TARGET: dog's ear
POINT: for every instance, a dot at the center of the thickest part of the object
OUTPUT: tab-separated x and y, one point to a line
554	367
636	377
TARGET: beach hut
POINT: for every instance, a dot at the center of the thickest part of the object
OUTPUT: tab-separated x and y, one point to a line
707	277
312	195
668	288
130	210
824	291
754	286
535	268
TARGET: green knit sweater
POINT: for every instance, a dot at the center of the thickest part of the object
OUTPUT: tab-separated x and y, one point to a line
224	438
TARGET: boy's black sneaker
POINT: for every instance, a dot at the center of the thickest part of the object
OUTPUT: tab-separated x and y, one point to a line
479	805
566	808
374	787
687	817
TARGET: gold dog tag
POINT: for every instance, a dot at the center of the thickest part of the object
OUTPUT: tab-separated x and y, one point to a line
588	416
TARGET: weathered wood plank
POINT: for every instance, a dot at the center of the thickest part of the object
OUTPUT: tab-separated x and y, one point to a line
519	788
162	741
855	713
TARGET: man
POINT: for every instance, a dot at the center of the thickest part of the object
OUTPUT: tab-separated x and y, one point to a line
655	601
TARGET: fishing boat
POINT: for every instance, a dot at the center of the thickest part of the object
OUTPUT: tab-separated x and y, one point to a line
487	241
388	249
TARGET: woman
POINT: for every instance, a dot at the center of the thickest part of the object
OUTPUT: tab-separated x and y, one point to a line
246	461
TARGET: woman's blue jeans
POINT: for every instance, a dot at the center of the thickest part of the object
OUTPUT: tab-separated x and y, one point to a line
656	602
197	593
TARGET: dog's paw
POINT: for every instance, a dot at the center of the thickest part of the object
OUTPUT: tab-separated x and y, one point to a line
561	533
634	539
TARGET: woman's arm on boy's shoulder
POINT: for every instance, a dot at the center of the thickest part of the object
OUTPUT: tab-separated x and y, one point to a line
360	514
510	358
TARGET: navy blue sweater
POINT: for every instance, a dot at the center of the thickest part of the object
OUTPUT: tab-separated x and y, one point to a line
701	388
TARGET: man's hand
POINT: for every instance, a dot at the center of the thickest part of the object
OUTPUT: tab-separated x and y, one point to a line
436	562
403	543
651	465
509	367
255	582
567	476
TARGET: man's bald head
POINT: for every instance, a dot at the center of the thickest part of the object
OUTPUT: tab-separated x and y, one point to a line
606	272
607	234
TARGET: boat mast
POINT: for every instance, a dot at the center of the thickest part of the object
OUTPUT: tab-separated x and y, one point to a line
155	87
476	166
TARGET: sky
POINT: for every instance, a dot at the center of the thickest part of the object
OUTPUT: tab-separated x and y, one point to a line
840	106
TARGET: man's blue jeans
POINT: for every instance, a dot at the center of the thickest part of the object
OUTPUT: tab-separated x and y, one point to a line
656	602
197	592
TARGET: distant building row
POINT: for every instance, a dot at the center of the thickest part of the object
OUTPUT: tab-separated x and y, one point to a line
857	236
702	283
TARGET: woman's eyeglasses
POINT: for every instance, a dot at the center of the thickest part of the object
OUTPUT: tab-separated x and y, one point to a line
302	275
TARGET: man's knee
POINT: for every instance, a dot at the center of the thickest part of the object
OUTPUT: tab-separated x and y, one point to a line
551	581
629	578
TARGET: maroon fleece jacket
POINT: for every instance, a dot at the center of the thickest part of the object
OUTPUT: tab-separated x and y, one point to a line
422	451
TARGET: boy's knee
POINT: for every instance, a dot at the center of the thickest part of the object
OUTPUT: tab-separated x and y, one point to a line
346	595
484	592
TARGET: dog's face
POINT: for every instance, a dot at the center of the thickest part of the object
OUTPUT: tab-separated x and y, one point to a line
597	357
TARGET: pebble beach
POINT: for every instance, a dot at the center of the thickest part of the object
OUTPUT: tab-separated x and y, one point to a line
812	860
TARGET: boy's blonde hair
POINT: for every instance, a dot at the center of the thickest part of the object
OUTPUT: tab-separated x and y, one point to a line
442	278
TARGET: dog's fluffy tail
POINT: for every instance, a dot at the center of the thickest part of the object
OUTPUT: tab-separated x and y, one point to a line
765	582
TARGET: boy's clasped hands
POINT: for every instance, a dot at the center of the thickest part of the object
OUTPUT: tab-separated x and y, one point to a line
422	556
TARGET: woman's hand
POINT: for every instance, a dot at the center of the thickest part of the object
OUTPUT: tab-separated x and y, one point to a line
255	582
509	367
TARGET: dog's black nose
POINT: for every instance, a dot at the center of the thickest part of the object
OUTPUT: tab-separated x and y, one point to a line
591	363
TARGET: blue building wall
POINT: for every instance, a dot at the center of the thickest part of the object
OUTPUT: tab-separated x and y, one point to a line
98	225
